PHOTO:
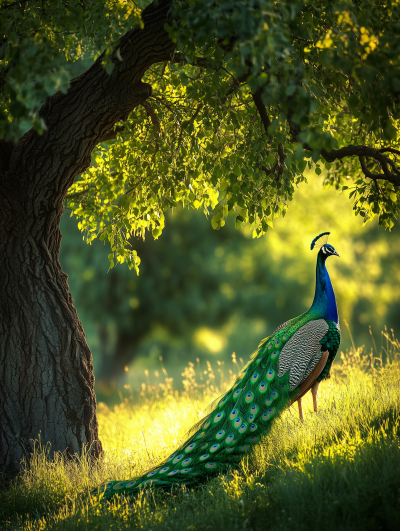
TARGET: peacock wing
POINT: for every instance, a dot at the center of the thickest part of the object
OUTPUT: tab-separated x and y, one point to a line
302	352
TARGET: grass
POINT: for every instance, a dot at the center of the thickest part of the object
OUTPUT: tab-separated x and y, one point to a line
339	469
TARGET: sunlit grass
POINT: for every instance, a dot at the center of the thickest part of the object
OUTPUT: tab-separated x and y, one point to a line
339	469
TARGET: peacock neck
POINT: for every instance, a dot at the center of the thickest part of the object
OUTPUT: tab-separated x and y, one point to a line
324	302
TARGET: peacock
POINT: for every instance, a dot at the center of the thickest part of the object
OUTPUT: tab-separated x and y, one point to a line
295	358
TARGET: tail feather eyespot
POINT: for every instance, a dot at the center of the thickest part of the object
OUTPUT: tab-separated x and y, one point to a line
262	387
249	397
222	402
254	409
254	378
218	417
214	448
119	486
189	448
230	439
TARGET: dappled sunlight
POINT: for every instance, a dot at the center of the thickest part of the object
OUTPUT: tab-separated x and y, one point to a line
348	451
209	339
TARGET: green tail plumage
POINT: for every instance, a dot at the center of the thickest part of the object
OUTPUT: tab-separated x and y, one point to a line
262	390
237	422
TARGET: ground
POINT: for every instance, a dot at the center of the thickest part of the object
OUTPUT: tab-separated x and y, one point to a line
339	469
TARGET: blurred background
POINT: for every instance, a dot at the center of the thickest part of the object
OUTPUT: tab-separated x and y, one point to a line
204	294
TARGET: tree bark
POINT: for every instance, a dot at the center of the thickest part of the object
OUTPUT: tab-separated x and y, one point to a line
47	381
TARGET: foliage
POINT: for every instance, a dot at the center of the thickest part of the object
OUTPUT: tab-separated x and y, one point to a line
205	293
46	44
255	93
335	463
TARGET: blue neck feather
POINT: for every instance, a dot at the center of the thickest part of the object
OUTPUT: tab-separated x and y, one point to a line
324	299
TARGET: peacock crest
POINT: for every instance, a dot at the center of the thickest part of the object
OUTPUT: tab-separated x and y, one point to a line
320	240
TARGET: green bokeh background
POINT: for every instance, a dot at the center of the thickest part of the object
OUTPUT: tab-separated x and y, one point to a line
205	294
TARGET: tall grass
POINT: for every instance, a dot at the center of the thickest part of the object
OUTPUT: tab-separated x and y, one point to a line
339	469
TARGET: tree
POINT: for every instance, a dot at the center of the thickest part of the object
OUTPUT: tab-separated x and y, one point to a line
218	105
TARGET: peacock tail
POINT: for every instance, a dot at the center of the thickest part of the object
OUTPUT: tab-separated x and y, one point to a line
286	364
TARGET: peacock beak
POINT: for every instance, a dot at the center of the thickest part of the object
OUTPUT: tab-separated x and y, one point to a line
335	253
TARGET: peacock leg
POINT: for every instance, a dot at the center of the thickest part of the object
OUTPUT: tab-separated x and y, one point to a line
300	409
314	390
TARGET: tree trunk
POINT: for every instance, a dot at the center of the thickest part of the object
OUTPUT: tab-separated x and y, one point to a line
46	366
47	381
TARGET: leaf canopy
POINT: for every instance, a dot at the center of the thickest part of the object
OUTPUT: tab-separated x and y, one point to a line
255	93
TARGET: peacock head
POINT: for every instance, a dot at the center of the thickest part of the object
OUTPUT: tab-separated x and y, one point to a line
328	250
325	248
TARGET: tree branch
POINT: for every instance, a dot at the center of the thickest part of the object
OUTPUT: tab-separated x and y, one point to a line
361	152
86	115
257	98
152	114
201	62
111	135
